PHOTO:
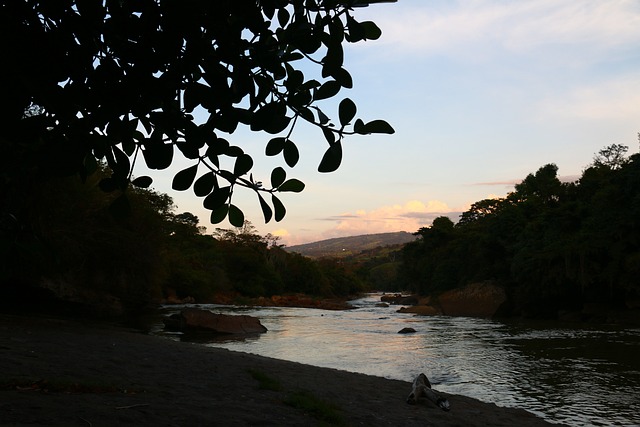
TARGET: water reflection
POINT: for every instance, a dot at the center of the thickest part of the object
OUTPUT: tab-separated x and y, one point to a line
578	376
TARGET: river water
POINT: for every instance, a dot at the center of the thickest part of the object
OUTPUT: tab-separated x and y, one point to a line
580	376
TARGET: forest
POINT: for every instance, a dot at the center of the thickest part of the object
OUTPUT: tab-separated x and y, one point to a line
552	245
79	248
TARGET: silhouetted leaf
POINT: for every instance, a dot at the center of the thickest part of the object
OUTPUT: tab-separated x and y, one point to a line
234	151
183	179
236	216
358	126
142	181
371	30
266	209
280	210
322	117
217	198
375	126
293	185
275	146
158	155
329	135
328	90
205	184
291	153
346	111
219	214
331	159
343	77
278	175
243	164
122	165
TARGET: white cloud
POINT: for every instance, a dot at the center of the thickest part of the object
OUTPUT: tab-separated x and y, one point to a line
462	27
408	217
611	100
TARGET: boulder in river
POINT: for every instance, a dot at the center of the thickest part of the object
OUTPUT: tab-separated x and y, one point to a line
407	331
195	319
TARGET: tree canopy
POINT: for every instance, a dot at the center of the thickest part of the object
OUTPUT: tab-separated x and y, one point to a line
120	81
551	244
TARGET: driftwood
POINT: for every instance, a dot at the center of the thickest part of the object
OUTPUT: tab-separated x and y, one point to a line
422	388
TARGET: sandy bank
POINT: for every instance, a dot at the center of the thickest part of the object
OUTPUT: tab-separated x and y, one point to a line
58	372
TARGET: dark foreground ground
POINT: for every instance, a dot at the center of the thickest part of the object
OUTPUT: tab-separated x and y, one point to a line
56	372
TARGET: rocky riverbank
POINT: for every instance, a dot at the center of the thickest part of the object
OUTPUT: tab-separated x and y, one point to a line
65	372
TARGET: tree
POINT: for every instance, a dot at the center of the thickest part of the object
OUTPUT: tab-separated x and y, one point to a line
612	156
122	80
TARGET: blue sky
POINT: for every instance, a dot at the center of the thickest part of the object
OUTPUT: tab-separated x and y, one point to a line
480	92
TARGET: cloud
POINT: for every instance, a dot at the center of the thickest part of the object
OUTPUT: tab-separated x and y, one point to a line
282	233
461	27
617	99
509	183
407	217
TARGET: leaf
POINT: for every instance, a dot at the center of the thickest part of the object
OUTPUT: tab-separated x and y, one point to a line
219	214
183	179
328	90
376	126
331	159
243	164
346	111
283	17
343	77
278	175
371	30
292	185
205	184
280	210
322	117
356	31
358	126
158	155
122	166
291	153
275	146
329	135
142	181
236	216
234	151
334	59
266	209
217	198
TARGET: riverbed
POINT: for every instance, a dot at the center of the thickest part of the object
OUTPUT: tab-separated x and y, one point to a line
572	374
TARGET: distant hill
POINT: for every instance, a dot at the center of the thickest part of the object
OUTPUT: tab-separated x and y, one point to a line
345	246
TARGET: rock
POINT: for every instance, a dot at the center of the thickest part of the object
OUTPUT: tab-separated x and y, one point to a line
407	331
382	304
421	310
195	319
399	299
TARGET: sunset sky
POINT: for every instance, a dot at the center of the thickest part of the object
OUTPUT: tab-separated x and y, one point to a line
480	92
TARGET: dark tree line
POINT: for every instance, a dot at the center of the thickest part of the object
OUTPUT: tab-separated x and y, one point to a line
82	253
551	244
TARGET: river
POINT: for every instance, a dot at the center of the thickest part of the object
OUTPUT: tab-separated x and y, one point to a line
586	375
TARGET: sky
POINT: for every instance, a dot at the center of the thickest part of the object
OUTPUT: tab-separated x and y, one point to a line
480	92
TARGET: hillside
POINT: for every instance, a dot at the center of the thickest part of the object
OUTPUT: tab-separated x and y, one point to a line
345	246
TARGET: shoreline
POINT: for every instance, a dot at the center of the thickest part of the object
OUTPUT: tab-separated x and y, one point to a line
68	372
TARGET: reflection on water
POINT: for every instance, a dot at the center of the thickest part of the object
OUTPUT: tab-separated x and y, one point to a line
584	376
